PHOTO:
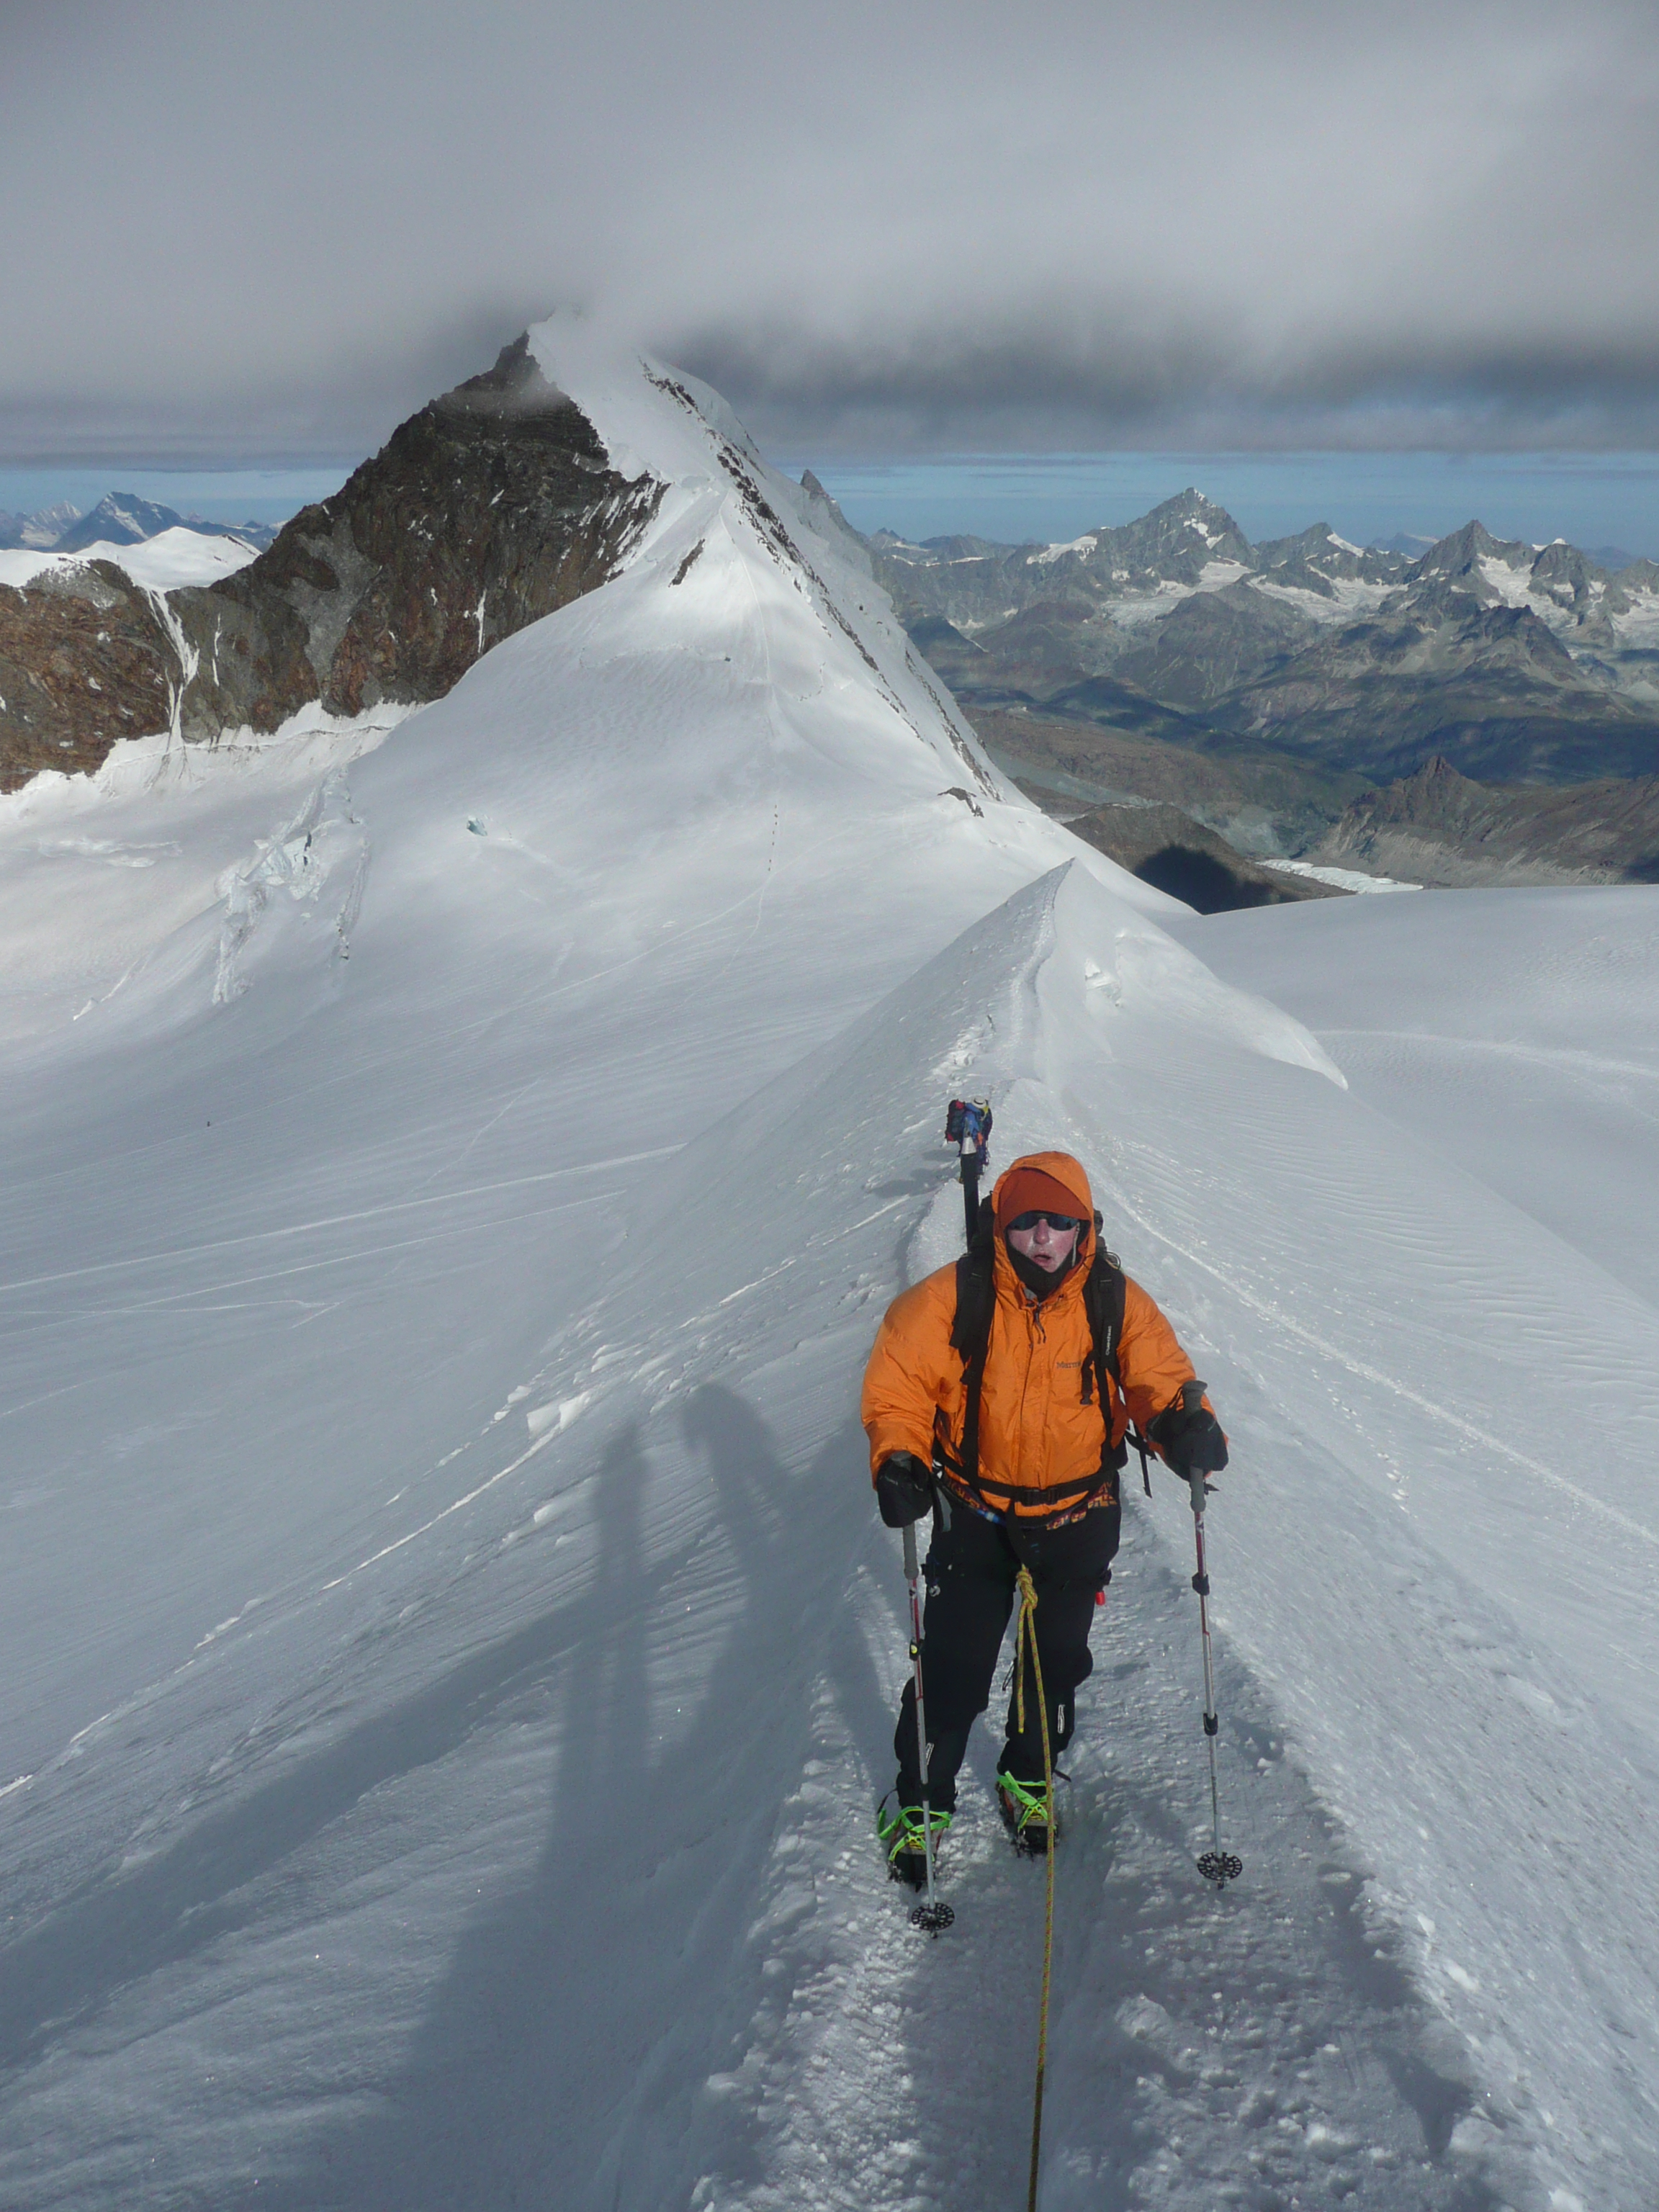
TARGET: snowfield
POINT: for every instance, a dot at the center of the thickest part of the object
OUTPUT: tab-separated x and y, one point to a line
455	1170
166	562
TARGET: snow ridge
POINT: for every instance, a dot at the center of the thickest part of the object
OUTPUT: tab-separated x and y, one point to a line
449	1651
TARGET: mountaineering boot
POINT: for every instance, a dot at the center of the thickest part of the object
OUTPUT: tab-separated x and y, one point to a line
900	1829
1026	1813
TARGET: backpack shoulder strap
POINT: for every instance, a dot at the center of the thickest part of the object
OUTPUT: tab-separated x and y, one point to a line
1103	1297
970	1332
1103	1294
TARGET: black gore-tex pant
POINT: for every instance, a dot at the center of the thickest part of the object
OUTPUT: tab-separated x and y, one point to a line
969	1573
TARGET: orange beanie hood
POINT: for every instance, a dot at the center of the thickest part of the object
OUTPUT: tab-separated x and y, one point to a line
1042	1183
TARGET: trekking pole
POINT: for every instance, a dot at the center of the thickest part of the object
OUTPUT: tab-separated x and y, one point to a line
934	1916
969	1184
1215	1865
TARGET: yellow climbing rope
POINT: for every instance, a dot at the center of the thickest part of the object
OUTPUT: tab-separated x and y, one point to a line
1024	1639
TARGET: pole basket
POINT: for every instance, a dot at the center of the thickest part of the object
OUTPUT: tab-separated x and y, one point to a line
1219	1867
933	1919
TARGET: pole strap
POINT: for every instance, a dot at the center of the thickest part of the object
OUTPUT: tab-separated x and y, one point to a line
1025	1640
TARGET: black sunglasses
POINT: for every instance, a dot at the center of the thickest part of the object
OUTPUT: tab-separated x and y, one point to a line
1060	1223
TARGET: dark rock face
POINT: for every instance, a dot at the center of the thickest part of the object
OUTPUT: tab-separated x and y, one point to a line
84	660
1174	853
1440	827
494	506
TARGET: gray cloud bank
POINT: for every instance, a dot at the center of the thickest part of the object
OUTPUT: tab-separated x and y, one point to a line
241	234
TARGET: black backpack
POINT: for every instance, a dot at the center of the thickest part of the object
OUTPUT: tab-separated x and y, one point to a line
970	1336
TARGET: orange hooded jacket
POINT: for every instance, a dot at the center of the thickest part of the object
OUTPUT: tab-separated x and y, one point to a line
1037	1434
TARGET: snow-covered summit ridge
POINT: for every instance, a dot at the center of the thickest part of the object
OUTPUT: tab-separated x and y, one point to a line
657	420
737	698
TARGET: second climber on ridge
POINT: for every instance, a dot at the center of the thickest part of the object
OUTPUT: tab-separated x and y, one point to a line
1006	1381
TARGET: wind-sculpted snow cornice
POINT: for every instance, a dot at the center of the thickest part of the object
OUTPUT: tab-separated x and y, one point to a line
494	506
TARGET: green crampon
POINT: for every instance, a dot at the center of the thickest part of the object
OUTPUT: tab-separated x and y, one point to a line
1027	1809
900	1829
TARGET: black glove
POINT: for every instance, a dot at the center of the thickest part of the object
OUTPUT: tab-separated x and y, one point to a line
904	1489
1189	1440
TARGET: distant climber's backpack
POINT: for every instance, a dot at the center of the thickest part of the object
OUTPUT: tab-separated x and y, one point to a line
967	1117
970	1337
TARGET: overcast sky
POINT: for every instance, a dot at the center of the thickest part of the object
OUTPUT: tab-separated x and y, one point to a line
240	232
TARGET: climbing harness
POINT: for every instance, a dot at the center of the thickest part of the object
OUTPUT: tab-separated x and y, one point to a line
1104	1290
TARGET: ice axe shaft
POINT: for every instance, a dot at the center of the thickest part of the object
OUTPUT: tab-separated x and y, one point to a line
969	1185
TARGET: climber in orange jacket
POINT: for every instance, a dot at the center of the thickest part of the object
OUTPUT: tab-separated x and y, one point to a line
1029	1475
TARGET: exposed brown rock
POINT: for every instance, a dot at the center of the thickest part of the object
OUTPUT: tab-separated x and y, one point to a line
1260	802
1167	848
494	506
1440	827
84	660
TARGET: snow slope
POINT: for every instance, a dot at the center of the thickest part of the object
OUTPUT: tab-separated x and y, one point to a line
1529	1057
448	1649
166	562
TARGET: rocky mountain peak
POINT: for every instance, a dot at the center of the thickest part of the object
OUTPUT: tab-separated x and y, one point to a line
120	517
493	506
1463	552
1436	774
829	522
1174	543
41	531
1313	557
1568	577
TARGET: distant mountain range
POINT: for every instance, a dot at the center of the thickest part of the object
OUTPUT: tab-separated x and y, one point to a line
120	517
1508	661
1441	828
38	532
1506	695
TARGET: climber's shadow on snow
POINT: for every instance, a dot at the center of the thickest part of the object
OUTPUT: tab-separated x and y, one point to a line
207	1885
563	2049
922	1183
